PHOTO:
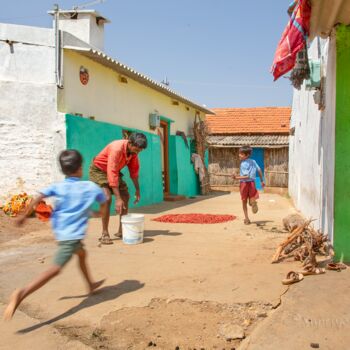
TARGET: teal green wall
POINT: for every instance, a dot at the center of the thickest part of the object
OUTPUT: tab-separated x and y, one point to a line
206	158
90	137
342	147
183	178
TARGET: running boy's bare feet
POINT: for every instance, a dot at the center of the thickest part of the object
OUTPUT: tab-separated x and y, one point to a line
96	285
15	300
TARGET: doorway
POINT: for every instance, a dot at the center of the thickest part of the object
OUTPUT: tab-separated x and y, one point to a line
164	141
258	156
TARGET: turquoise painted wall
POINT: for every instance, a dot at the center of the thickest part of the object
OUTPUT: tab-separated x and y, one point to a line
90	137
183	178
342	147
206	158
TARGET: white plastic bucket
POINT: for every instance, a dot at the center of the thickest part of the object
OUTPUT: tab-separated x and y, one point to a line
133	226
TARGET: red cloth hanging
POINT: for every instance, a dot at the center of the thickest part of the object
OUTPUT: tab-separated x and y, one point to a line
293	38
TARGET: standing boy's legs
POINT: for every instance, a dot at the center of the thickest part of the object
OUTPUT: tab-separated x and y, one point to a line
254	205
244	190
20	294
253	195
245	210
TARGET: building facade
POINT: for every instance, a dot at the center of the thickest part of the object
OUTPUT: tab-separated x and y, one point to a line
265	129
319	157
59	90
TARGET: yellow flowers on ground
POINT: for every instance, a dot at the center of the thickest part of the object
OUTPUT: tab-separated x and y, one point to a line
16	204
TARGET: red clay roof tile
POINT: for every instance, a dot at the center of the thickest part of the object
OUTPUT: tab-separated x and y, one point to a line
259	120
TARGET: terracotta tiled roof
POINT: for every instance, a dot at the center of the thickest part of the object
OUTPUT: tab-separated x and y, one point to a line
266	141
259	120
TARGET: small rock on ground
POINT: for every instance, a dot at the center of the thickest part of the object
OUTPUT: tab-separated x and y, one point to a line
232	332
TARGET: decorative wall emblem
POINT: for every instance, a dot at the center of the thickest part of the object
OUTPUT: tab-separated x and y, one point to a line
84	75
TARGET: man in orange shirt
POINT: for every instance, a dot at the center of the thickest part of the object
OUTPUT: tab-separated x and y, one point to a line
105	171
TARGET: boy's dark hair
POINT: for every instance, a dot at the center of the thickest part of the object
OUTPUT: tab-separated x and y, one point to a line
247	150
138	139
70	160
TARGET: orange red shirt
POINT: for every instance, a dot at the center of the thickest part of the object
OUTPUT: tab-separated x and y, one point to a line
113	158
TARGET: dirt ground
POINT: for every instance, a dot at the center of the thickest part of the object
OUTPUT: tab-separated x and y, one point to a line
8	231
314	314
186	287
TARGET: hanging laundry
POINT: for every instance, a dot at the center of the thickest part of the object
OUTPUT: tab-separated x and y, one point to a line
293	38
301	70
198	165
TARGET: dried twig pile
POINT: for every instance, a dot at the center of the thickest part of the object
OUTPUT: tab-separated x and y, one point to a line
304	244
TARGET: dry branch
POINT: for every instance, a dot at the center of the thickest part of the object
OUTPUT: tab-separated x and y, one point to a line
304	244
299	230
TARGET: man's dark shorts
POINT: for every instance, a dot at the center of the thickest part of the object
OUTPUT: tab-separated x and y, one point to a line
100	178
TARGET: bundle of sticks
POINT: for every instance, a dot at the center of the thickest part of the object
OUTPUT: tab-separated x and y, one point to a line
304	244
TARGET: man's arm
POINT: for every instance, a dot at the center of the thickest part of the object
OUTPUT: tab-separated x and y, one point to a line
28	211
119	203
134	168
137	188
113	178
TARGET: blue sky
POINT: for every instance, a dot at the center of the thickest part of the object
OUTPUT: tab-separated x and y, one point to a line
217	53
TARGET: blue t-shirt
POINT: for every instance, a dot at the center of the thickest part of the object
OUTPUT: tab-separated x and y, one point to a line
73	199
248	167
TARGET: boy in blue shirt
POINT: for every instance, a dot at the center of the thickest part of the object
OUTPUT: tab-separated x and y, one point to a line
69	223
248	170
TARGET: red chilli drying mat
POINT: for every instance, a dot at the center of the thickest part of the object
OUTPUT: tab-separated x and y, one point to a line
194	218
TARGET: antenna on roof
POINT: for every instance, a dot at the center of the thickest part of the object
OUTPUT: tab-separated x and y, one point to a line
165	81
88	4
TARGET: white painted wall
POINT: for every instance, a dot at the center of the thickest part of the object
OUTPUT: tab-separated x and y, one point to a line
84	28
109	100
32	109
311	150
26	34
31	131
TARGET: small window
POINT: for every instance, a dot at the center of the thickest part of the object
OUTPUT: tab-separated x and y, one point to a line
123	80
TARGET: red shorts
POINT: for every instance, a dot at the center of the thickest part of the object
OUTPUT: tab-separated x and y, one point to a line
248	190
